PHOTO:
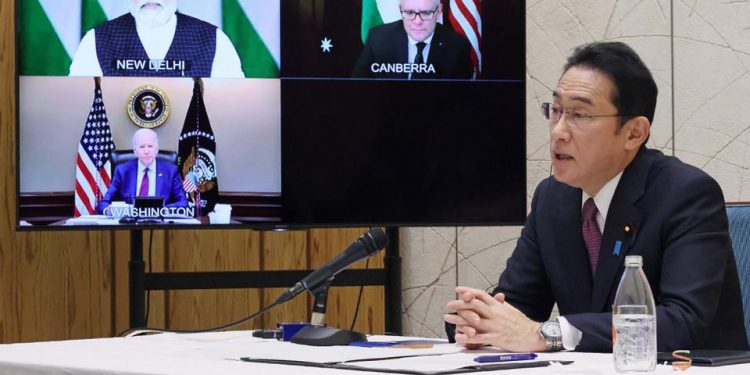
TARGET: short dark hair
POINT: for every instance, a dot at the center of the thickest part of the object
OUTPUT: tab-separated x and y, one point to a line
635	90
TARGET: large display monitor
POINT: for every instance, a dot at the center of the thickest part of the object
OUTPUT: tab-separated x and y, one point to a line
270	113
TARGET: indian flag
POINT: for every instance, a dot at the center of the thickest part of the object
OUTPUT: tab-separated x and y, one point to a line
49	35
378	12
52	29
253	27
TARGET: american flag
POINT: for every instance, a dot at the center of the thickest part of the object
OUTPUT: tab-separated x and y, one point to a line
93	164
466	18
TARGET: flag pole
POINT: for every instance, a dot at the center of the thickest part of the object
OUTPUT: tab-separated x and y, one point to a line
198	200
97	192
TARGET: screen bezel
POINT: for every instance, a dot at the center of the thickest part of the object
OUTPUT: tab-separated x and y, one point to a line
244	225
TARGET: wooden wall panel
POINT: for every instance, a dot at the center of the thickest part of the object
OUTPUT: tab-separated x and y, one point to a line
65	285
156	261
53	285
324	245
61	286
285	251
121	249
9	312
214	250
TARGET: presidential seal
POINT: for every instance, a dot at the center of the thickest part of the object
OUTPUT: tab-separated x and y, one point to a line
148	106
199	171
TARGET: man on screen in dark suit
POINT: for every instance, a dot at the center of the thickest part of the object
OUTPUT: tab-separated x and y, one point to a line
415	47
610	196
145	176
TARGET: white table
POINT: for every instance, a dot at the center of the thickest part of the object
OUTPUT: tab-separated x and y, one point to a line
219	353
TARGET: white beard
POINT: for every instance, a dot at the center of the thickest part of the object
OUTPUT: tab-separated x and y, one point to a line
153	17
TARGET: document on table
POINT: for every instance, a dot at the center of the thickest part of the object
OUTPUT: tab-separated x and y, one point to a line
87	220
426	364
441	358
106	220
444	364
339	354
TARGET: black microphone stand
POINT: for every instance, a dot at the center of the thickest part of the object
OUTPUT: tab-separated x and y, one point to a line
317	334
318	316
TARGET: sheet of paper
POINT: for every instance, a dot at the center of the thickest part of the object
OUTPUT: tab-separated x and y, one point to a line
436	363
322	354
183	221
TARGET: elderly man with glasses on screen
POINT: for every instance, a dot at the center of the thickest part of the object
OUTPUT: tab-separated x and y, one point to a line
153	39
145	176
417	46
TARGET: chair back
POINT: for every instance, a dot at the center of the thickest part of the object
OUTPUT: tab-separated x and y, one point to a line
739	232
122	156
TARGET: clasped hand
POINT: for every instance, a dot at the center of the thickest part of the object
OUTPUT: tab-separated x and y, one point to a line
482	319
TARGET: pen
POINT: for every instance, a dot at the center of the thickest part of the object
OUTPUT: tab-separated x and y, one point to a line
505	357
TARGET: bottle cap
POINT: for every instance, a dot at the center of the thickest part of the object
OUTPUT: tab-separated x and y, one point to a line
633	260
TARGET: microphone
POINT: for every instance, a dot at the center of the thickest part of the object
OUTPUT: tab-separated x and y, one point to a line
365	246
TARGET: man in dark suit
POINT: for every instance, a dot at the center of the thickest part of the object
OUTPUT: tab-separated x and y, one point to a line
415	47
610	196
145	176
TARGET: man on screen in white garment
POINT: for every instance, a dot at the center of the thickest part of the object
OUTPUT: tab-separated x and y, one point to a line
154	40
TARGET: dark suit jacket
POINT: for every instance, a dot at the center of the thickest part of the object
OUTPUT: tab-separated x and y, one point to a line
388	43
123	185
679	216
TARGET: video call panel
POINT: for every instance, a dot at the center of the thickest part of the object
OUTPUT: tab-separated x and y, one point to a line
306	47
402	153
306	24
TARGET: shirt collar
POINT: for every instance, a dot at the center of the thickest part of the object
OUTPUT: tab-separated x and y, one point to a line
157	40
604	197
413	42
168	27
141	167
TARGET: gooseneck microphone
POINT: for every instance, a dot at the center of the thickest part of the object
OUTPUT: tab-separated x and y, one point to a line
365	246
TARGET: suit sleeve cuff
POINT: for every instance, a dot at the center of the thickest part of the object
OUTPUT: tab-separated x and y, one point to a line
571	336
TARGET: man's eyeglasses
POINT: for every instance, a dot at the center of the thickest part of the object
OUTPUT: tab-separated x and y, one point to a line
575	117
424	15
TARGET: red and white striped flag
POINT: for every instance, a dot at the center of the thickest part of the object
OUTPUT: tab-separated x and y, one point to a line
466	18
93	164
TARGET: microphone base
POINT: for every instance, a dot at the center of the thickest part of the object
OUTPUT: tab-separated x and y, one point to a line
326	336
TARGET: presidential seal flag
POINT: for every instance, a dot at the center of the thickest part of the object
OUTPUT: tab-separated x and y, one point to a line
196	156
93	163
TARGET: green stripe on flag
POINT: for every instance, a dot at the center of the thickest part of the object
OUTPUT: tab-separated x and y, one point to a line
370	17
256	58
92	15
41	50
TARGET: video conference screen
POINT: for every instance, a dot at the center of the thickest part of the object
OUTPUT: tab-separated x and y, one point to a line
270	113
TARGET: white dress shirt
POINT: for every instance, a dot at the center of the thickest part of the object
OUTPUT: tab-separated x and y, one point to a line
156	41
151	179
571	336
413	49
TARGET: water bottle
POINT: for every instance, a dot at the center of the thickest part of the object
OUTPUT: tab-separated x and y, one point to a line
634	320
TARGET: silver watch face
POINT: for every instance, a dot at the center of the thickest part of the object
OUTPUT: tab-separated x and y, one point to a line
551	329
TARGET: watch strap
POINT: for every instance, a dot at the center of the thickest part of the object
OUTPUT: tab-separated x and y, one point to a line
554	342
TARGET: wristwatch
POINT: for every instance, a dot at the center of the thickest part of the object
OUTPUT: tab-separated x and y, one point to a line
552	335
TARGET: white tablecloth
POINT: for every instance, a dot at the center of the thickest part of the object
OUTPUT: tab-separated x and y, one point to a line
219	353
